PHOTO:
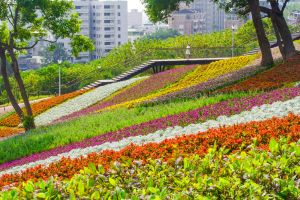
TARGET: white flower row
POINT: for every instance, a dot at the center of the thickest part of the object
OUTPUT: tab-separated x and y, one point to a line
267	111
81	102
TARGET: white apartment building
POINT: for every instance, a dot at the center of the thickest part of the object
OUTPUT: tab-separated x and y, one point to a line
105	22
135	19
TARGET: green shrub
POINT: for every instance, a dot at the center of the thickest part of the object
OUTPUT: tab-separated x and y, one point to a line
255	174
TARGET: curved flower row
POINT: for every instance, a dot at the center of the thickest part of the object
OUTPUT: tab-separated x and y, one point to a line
210	85
234	138
6	131
153	83
276	77
81	102
200	75
217	174
40	107
227	108
277	109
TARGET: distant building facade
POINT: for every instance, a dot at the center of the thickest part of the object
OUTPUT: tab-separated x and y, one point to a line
187	21
103	21
202	16
135	19
294	17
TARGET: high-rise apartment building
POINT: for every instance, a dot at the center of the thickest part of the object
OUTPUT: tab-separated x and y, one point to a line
105	22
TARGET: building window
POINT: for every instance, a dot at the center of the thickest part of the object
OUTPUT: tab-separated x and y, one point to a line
119	36
119	21
119	14
107	36
107	21
77	7
106	14
107	43
107	28
119	7
106	6
119	28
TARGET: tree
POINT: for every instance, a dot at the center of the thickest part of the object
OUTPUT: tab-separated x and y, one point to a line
160	10
284	37
54	53
25	23
275	13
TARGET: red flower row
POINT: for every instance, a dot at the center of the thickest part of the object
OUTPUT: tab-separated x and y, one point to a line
235	137
276	77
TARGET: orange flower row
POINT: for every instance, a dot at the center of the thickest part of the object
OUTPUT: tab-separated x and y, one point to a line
276	77
40	107
6	132
236	137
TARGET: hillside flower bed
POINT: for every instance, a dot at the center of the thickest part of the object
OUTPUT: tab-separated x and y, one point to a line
237	137
200	75
208	86
274	78
40	107
277	109
81	102
7	131
153	83
219	174
227	108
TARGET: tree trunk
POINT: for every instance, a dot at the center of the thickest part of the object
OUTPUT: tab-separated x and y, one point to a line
20	83
263	41
289	47
7	86
279	39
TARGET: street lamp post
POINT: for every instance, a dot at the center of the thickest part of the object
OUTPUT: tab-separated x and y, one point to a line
234	28
59	77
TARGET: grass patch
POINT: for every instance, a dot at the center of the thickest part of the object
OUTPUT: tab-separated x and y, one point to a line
50	137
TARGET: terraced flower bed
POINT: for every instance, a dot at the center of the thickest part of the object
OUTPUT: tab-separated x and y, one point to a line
226	108
153	83
235	137
40	107
81	102
200	75
274	78
218	174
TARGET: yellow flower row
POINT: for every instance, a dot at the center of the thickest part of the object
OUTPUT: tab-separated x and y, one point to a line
201	74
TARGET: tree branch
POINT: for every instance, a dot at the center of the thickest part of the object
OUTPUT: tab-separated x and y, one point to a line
35	43
266	10
284	5
26	48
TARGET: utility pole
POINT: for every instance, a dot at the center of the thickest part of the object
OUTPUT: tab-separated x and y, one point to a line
234	28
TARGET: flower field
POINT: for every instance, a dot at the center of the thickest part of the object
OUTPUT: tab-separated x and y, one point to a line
226	130
81	102
233	138
153	83
243	175
274	78
200	75
209	112
40	107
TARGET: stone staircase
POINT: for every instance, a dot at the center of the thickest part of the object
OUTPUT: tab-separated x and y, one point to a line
124	76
